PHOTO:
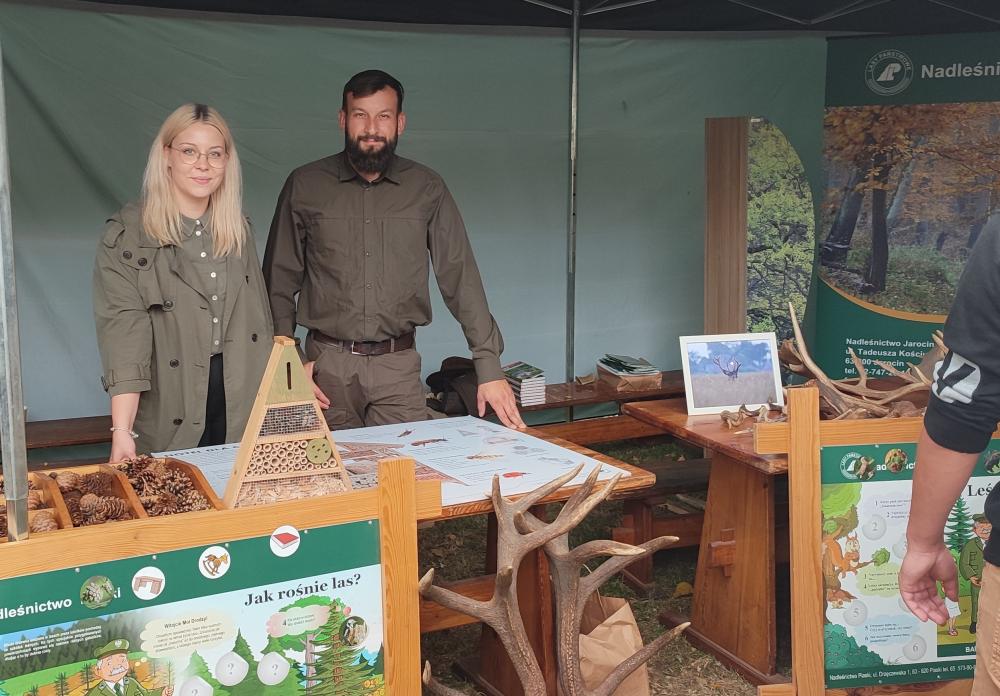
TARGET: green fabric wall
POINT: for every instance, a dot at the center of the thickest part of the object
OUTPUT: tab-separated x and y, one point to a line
86	92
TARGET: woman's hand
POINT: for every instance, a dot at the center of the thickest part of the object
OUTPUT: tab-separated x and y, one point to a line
122	446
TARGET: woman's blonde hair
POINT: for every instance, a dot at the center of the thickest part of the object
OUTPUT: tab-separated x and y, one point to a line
161	217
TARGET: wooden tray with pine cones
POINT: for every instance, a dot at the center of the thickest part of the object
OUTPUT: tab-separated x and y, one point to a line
95	494
167	486
46	510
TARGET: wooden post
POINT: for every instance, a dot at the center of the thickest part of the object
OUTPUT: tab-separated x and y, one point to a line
805	532
397	505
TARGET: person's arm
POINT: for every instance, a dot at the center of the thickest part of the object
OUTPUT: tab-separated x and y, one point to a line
462	289
124	337
938	478
284	261
284	269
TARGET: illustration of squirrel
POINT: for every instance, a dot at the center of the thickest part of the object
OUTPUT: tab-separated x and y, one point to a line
847	560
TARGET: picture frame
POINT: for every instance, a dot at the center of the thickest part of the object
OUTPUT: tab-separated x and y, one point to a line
725	371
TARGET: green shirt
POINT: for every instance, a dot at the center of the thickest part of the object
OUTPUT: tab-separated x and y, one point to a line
211	272
357	256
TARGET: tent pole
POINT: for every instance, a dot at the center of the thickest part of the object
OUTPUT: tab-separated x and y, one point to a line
571	232
12	448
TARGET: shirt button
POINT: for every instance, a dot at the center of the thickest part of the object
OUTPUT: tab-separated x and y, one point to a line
368	221
212	274
168	304
215	297
175	362
368	253
215	320
126	255
369	286
142	261
204	254
178	421
253	337
197	233
216	342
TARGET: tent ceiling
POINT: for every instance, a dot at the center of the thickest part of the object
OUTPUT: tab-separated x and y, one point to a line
827	16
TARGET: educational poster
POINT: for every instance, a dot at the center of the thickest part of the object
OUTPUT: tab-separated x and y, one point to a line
277	615
463	453
912	180
870	636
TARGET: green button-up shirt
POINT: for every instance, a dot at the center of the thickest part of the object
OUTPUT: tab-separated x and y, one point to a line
197	245
357	255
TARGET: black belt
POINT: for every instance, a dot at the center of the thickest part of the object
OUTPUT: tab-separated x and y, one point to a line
389	345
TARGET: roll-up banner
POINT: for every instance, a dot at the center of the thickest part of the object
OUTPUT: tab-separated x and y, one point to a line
912	150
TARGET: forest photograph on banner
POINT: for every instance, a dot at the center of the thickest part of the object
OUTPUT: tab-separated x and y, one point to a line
912	155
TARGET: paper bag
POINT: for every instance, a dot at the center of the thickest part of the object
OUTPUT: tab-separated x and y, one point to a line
629	382
608	636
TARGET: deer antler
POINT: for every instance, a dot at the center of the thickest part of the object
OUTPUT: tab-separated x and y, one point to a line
519	532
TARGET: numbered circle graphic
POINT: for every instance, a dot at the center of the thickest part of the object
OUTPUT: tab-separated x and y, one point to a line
272	669
915	649
195	686
899	548
856	613
874	527
231	669
214	562
148	583
318	451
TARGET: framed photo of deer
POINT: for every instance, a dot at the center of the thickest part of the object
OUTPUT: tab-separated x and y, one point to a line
725	371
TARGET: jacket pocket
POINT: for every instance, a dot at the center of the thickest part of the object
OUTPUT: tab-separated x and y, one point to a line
338	246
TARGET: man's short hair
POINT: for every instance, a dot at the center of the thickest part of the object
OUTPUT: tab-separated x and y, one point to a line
368	82
980	519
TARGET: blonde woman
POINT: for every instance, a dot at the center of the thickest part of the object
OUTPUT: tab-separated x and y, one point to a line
183	323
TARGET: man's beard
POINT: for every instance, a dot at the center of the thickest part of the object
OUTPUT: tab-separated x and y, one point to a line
369	161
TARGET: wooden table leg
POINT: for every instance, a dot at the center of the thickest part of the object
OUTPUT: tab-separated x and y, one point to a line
639	529
493	672
733	608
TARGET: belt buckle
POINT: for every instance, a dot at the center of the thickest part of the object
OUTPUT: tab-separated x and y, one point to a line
354	352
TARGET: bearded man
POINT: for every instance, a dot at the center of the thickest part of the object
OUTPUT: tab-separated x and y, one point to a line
353	238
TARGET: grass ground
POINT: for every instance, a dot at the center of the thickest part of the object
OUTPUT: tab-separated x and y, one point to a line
456	549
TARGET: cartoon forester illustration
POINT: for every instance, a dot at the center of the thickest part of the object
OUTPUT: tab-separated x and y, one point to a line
112	670
970	563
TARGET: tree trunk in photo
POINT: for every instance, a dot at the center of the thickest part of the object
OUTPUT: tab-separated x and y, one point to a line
833	251
899	197
941	239
878	264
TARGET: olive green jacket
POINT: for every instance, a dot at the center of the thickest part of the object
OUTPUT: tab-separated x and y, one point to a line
154	330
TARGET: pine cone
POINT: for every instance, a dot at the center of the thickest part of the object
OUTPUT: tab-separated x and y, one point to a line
166	504
43	521
177	482
98	483
90	506
35	500
3	526
193	500
146	482
67	480
112	508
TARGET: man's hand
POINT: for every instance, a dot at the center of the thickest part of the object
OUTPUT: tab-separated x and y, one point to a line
499	395
917	582
976	580
324	402
168	691
122	446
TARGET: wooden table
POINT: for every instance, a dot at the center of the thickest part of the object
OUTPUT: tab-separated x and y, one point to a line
493	672
586	431
733	608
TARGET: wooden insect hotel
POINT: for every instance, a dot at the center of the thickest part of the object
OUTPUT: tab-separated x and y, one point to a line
287	451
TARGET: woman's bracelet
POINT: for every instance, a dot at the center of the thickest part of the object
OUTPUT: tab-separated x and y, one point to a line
134	434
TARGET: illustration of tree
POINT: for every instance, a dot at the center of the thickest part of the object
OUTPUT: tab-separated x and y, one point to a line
958	529
2	692
170	673
33	690
339	667
62	685
843	651
251	685
197	667
780	242
87	674
304	642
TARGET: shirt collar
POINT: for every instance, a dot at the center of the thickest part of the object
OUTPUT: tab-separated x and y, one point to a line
346	172
188	224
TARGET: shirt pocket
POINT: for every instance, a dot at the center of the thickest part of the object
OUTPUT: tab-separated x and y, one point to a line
404	259
336	246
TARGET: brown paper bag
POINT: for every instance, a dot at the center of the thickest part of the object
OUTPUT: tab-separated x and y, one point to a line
608	636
